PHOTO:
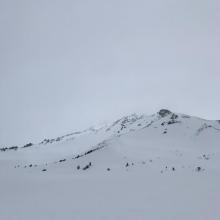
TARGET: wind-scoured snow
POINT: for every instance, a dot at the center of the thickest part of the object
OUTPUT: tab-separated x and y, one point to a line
163	166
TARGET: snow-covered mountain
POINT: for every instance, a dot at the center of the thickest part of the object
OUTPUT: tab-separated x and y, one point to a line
162	166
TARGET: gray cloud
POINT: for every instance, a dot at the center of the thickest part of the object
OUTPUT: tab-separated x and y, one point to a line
67	64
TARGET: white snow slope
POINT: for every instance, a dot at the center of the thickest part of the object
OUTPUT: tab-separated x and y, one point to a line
165	166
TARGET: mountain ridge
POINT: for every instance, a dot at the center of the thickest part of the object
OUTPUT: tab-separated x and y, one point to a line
119	125
166	161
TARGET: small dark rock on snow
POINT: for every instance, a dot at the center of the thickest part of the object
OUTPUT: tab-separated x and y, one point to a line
87	166
198	169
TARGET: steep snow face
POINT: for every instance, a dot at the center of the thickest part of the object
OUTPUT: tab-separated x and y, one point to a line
162	166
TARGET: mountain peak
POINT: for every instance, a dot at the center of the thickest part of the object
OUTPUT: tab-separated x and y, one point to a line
164	112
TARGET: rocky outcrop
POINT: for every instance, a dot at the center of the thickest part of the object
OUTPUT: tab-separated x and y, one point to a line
164	112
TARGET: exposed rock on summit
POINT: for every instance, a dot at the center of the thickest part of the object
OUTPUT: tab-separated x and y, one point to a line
164	112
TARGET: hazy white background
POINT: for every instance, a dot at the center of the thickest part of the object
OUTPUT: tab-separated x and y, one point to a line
69	64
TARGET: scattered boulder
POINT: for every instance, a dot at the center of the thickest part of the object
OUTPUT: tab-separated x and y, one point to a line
45	141
3	149
28	145
172	121
9	148
78	156
206	157
198	169
100	146
174	116
87	166
44	170
13	148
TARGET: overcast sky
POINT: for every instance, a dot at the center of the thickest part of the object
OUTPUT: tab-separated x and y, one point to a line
69	64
